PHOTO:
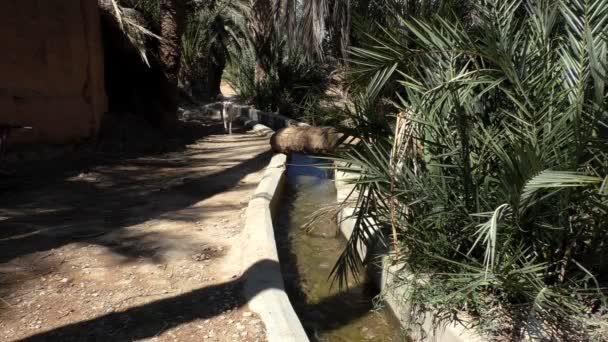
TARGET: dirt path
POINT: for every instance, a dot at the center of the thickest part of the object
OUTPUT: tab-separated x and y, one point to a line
144	248
227	89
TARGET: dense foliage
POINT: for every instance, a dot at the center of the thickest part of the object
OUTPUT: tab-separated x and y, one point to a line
292	84
480	140
489	173
211	29
286	58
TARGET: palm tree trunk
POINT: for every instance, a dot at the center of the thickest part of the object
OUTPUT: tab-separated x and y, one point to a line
171	28
260	72
262	26
216	57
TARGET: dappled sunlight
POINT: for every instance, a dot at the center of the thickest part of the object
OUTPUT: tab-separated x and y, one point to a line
122	208
155	316
125	224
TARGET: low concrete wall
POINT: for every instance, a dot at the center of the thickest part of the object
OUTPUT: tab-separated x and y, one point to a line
273	305
251	116
264	288
271	120
277	302
384	276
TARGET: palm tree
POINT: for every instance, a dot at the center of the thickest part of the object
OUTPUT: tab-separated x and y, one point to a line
166	18
262	30
303	24
172	23
216	56
491	172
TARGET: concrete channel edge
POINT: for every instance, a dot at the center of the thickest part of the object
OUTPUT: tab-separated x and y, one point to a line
383	277
264	287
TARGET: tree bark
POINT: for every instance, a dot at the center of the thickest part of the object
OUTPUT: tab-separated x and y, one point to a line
262	26
172	20
216	57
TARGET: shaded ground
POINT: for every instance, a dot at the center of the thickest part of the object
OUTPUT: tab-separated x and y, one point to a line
131	246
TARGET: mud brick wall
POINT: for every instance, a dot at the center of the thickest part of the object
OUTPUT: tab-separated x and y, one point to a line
51	69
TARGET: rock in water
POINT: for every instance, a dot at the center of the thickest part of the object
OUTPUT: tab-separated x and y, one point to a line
304	139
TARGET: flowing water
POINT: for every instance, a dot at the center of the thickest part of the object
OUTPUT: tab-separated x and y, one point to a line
327	312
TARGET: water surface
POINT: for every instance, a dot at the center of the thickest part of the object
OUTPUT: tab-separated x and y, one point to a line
327	312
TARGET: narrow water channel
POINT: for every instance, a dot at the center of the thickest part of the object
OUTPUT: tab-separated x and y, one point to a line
327	312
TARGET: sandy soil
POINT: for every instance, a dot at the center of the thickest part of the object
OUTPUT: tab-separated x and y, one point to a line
124	248
227	90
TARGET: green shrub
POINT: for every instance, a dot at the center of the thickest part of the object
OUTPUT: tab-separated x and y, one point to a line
212	28
292	86
490	175
241	75
195	50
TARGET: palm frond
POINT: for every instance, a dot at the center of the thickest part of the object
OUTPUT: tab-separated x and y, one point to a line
496	182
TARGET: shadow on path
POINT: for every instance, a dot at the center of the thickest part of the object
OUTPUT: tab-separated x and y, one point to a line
153	319
88	212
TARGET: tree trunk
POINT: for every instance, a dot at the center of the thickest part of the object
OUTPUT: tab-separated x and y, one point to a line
214	78
171	28
262	26
217	57
260	72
